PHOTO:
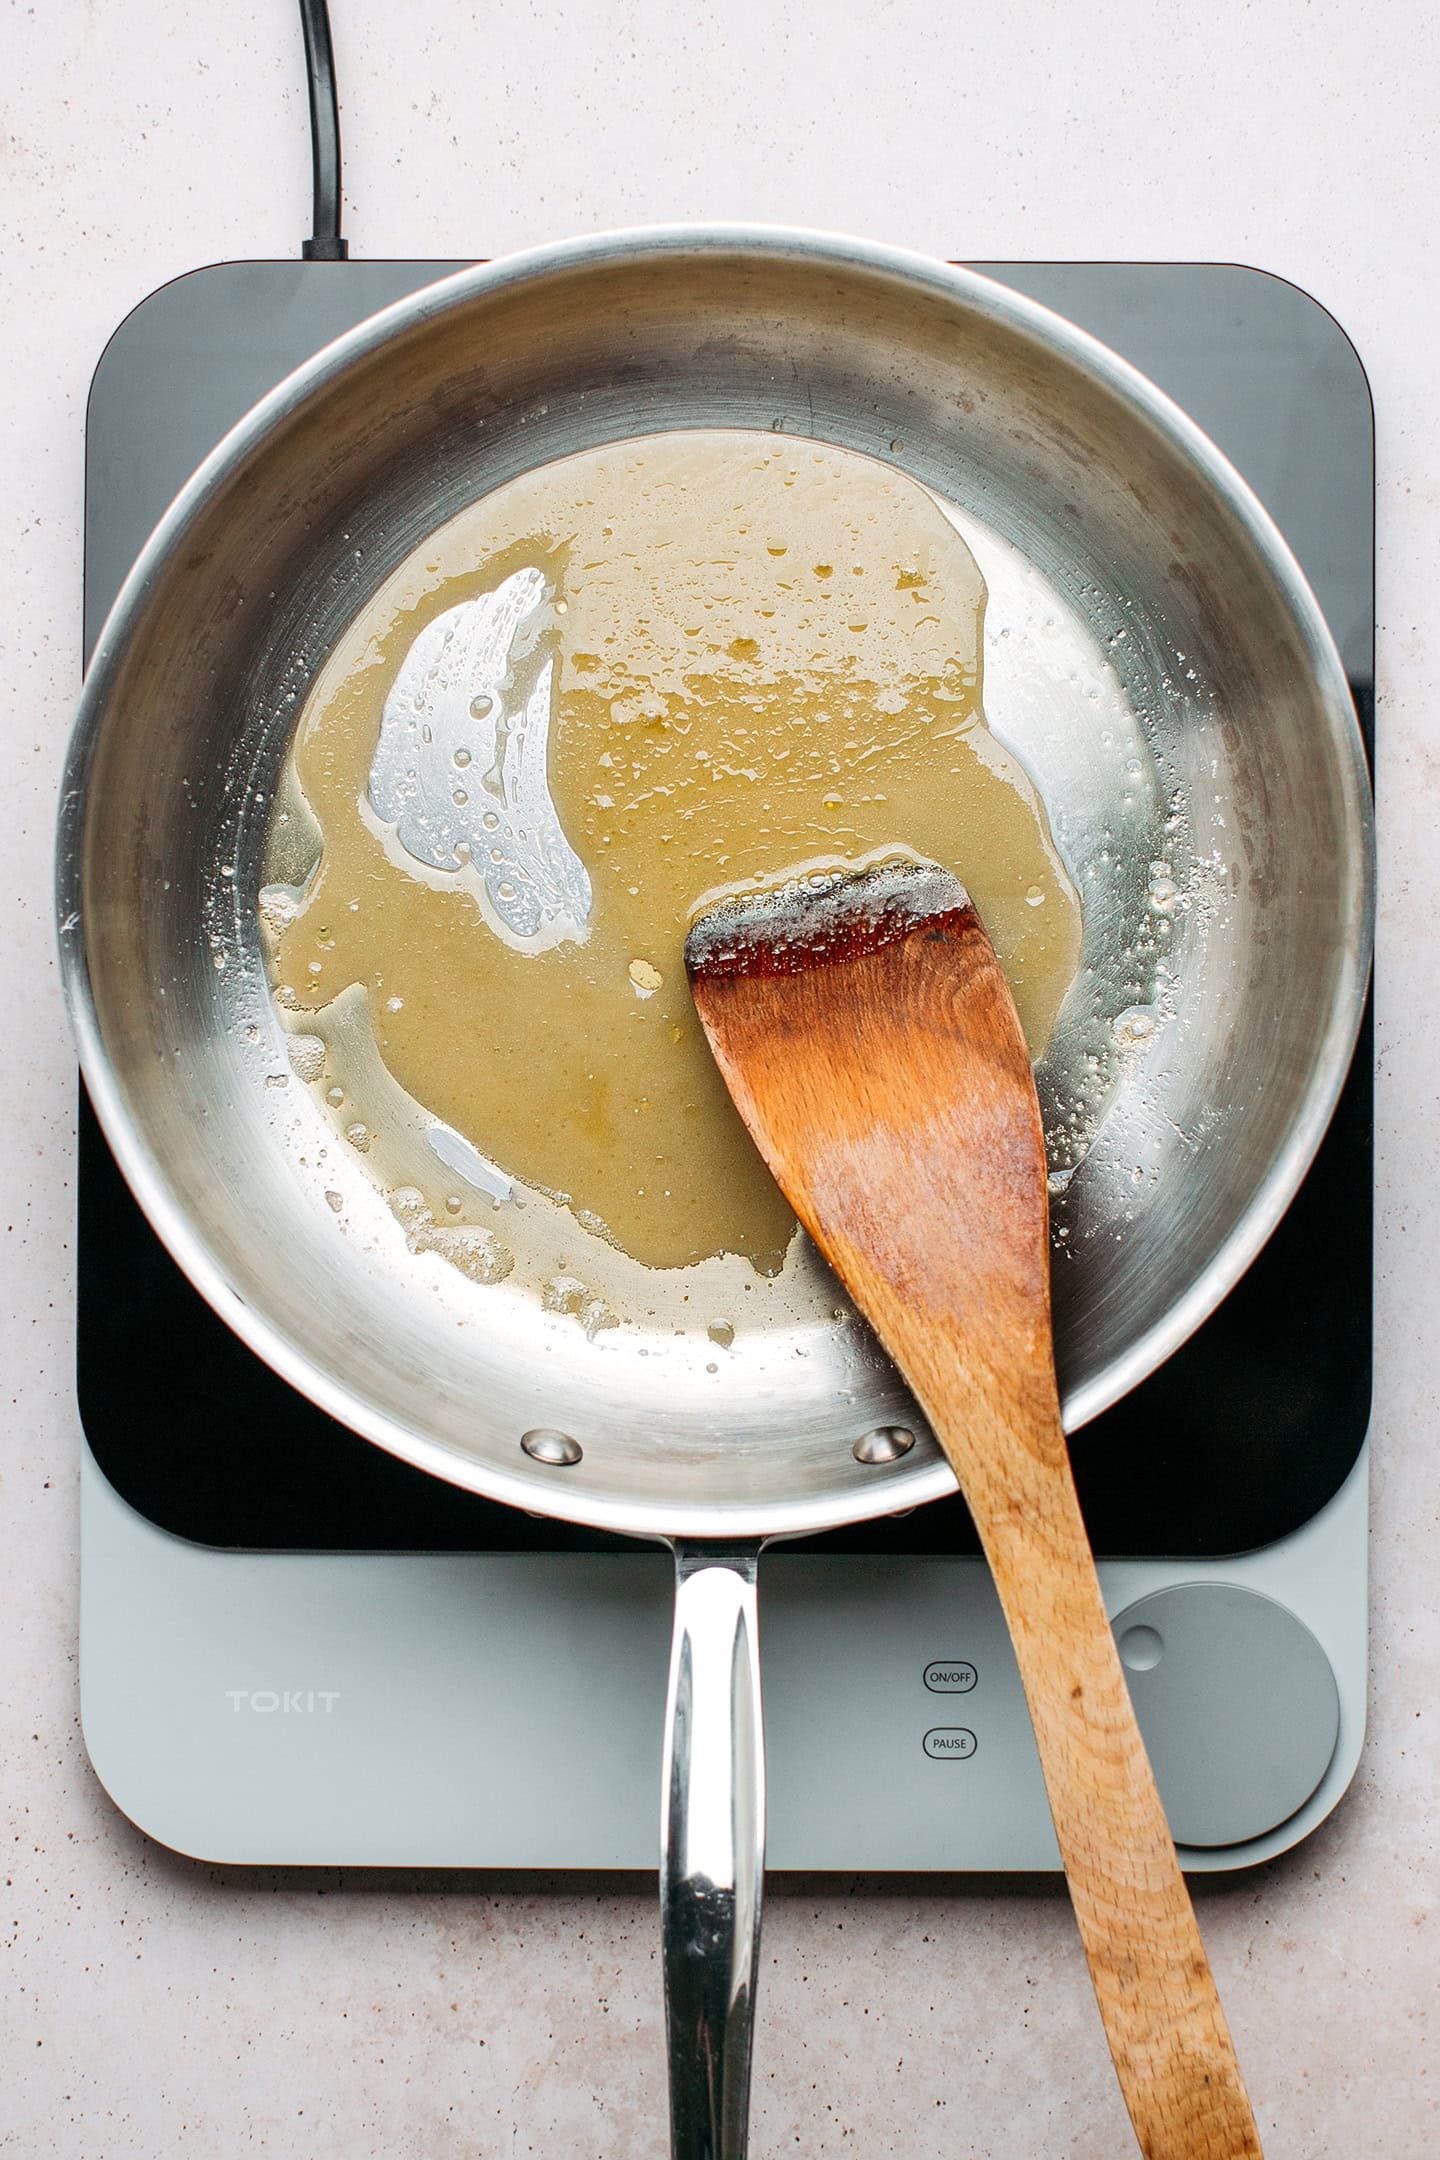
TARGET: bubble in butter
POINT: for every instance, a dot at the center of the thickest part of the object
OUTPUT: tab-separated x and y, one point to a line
616	688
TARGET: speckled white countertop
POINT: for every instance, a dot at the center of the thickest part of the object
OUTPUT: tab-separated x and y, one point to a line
156	2007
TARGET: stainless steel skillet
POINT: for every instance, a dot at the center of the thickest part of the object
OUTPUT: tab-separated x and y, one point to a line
1107	527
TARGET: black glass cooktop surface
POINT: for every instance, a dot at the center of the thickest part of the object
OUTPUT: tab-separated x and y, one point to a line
1238	1439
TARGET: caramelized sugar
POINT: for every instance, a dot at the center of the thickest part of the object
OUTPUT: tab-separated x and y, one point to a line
753	658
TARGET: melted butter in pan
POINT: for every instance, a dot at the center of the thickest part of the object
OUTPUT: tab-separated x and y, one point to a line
617	687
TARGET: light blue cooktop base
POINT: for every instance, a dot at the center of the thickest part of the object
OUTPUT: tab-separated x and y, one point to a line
504	1710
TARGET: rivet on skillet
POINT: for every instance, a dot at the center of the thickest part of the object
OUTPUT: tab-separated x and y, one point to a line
887	1443
548	1446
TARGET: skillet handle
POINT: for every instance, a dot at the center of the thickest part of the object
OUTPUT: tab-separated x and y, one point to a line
712	1848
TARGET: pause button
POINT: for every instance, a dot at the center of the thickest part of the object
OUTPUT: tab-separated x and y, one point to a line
950	1743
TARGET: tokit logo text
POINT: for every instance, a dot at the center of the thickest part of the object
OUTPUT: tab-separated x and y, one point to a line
283	1702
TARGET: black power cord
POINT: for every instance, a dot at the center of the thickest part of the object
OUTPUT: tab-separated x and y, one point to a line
325	243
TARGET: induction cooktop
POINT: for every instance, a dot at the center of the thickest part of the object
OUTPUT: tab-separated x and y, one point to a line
296	1648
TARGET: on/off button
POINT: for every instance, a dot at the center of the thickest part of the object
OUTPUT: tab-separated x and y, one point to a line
950	1743
950	1676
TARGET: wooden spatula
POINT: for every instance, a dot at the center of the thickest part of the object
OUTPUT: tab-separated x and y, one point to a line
871	1044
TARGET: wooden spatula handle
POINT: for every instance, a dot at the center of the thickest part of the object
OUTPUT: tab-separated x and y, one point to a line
1162	2016
870	1042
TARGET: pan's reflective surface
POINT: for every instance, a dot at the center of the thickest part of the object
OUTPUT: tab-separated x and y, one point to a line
1242	732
